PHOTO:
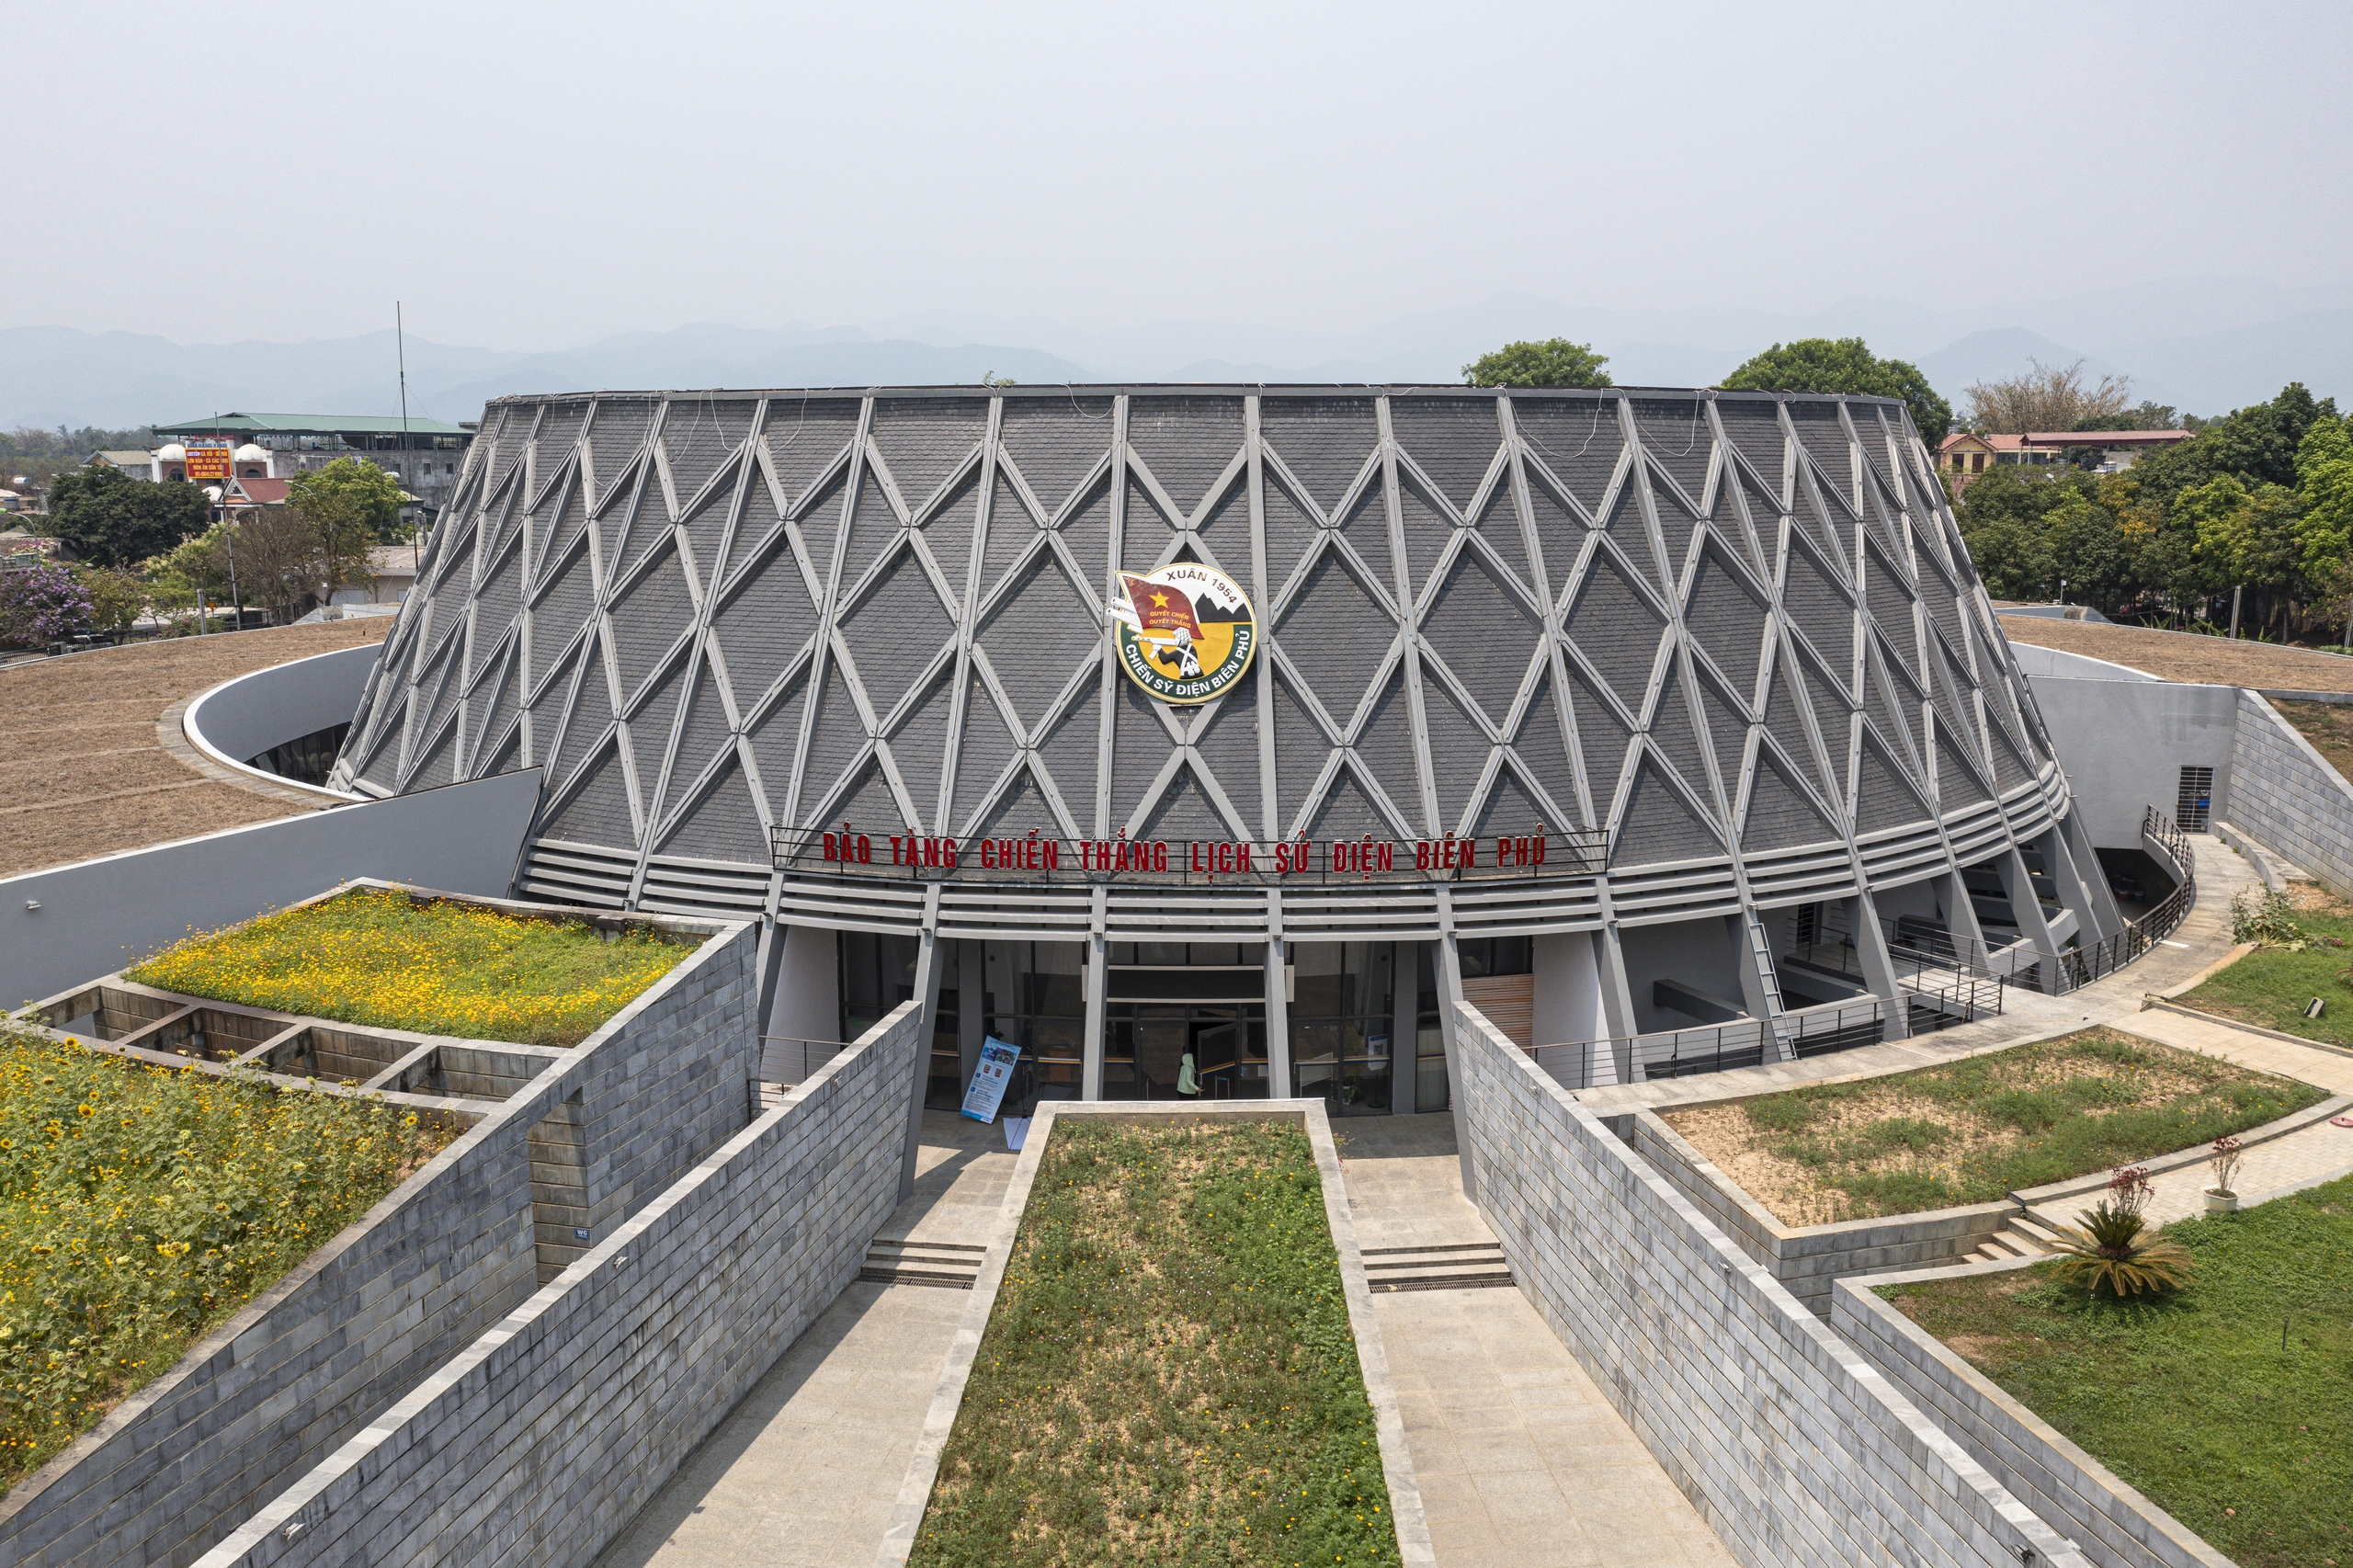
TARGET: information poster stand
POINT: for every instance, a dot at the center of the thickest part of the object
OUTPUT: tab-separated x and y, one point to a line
990	1079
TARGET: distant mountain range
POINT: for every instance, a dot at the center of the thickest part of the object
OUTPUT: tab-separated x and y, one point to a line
2204	344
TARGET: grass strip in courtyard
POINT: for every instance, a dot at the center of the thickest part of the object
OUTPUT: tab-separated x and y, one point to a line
139	1206
373	957
1969	1131
1168	1376
2226	1404
2308	944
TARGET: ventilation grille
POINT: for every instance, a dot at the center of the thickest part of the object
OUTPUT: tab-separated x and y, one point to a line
2196	801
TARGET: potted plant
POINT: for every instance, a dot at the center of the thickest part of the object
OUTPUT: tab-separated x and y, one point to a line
2222	1198
2109	1250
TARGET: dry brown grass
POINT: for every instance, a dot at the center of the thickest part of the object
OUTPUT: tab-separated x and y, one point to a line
1971	1130
83	773
2207	660
2328	725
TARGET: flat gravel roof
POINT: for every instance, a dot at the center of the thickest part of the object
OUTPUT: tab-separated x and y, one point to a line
83	769
2182	657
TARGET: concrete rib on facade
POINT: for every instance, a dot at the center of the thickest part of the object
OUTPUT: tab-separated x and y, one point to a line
1734	639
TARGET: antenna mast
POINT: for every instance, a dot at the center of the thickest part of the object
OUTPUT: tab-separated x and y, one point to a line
400	344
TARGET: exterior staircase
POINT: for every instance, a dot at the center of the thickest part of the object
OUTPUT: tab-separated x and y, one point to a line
2021	1236
944	1266
1469	1266
1760	948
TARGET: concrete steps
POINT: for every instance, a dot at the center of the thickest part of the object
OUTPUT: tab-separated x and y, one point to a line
2021	1237
944	1266
1470	1265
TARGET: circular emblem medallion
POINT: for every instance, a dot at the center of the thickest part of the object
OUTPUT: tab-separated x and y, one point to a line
1186	631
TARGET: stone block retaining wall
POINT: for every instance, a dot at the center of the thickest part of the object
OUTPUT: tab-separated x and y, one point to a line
444	1256
540	1441
1794	1448
2113	1525
2290	797
1807	1260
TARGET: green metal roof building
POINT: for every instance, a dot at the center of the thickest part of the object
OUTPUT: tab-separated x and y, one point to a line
425	455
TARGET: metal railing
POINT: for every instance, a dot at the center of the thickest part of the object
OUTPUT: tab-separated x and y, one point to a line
2079	966
1947	1001
787	1060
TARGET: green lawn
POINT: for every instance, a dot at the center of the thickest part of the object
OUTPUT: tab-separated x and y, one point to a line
1969	1131
140	1206
1168	1376
438	968
2271	985
2193	1400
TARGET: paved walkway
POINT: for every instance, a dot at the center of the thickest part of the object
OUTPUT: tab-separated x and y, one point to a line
1519	1459
2299	1159
804	1472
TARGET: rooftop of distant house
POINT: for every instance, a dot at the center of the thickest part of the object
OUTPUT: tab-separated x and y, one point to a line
2057	440
309	424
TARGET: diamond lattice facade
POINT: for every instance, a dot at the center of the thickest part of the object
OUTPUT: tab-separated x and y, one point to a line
1721	656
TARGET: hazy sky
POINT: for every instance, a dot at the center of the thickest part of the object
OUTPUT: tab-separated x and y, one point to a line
539	176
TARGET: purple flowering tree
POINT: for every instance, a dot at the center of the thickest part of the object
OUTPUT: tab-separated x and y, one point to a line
38	604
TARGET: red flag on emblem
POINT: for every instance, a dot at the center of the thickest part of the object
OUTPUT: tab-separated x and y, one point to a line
1160	608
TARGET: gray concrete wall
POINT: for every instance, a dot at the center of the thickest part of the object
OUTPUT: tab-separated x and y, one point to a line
2123	744
243	717
1808	1259
61	927
2037	662
1568	989
2289	796
542	1439
2115	1525
312	1360
1793	1449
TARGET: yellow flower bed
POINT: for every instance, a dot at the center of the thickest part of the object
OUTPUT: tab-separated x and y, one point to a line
376	958
139	1206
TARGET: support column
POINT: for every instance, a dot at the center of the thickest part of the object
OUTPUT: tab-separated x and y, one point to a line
1278	1079
1449	997
2019	883
1879	970
768	965
1617	1001
1096	982
972	1011
926	987
1405	1029
1960	920
2099	899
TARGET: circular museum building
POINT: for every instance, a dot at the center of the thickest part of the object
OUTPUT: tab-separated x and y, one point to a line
1210	740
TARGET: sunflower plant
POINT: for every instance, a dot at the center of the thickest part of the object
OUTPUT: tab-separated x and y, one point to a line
378	957
139	1206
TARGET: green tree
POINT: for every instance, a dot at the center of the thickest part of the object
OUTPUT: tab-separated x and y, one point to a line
349	495
2089	554
2256	445
1844	365
112	519
116	596
2325	484
1555	362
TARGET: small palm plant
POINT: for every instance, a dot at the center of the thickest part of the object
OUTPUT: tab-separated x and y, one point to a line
2110	1250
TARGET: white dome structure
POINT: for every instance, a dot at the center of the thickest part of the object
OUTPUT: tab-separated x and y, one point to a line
251	453
171	452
